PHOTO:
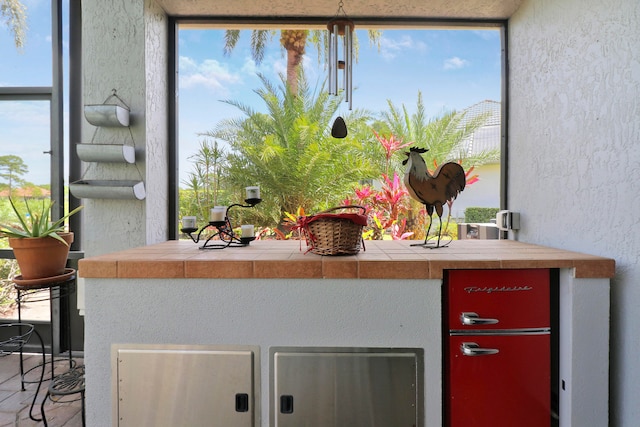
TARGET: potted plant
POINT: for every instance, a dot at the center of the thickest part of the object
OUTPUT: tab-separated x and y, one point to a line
41	247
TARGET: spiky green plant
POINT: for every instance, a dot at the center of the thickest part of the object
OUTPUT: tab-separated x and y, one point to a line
443	135
36	223
289	151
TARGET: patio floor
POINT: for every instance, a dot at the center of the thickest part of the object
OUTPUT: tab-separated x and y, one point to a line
15	403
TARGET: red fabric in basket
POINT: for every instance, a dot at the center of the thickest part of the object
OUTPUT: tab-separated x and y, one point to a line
354	217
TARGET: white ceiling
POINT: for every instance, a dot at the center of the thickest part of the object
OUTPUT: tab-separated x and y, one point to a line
423	9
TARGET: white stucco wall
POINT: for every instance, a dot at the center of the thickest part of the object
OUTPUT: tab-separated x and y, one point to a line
574	134
264	313
124	48
484	193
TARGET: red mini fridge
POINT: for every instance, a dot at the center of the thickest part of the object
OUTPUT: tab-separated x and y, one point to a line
497	348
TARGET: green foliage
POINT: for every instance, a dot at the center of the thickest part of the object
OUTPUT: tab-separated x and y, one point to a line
8	268
290	153
443	136
205	184
479	215
12	168
35	222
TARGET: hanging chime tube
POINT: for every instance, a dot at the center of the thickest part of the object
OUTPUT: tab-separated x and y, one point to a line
348	62
336	33
341	33
331	61
345	41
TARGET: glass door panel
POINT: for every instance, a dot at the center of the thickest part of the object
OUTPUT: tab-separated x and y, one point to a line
25	172
31	64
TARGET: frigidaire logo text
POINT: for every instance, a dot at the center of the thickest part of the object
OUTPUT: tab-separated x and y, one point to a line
492	289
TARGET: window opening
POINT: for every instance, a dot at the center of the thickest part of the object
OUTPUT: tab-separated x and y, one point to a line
409	74
33	145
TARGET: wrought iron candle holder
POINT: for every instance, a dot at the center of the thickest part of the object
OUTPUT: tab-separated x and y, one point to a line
224	231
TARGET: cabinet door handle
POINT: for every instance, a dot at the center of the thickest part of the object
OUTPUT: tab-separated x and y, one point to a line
471	318
286	404
473	349
242	402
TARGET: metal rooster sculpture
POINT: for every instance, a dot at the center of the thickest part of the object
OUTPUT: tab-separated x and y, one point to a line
434	191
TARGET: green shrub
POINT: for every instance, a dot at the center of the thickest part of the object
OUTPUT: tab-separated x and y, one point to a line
479	215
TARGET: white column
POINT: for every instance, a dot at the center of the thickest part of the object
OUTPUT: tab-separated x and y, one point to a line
584	351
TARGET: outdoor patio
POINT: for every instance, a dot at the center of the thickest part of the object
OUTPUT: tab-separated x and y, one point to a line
15	403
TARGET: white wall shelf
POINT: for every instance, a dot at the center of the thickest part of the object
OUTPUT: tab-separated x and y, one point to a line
108	189
109	153
107	115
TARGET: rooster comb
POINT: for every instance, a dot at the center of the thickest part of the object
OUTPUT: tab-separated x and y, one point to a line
418	150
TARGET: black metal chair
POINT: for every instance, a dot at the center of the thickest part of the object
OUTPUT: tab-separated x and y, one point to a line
14	336
66	384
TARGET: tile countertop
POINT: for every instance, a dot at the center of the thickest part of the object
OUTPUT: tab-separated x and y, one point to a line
381	260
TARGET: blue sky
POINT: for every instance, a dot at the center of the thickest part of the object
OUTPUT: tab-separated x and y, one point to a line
453	69
25	124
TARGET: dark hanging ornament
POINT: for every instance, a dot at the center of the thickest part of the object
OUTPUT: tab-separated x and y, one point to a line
339	128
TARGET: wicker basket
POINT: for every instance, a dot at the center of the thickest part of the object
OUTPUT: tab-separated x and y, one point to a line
327	233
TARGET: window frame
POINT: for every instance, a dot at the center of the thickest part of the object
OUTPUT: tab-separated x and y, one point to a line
250	23
54	94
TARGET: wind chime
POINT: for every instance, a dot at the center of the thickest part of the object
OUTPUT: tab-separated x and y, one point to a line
341	34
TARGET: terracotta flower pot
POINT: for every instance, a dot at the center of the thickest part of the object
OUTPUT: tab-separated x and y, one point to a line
41	257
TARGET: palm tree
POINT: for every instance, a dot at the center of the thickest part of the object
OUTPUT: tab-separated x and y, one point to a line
13	13
443	136
289	151
294	42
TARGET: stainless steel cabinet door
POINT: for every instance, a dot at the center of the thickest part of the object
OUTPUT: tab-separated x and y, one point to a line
325	388
159	386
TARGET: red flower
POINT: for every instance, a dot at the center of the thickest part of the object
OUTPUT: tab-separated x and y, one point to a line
471	179
363	192
391	145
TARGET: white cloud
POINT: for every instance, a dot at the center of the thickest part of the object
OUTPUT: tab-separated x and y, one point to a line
390	48
455	63
210	74
279	66
249	66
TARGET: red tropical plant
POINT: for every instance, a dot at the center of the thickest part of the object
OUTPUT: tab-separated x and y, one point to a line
389	207
390	146
384	205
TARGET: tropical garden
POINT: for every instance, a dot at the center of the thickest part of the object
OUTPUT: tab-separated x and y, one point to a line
301	169
287	149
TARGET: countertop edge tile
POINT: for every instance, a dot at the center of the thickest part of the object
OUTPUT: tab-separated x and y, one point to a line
387	269
156	269
230	269
104	269
382	260
287	269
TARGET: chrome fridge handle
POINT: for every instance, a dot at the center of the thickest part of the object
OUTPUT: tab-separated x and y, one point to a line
470	318
473	349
